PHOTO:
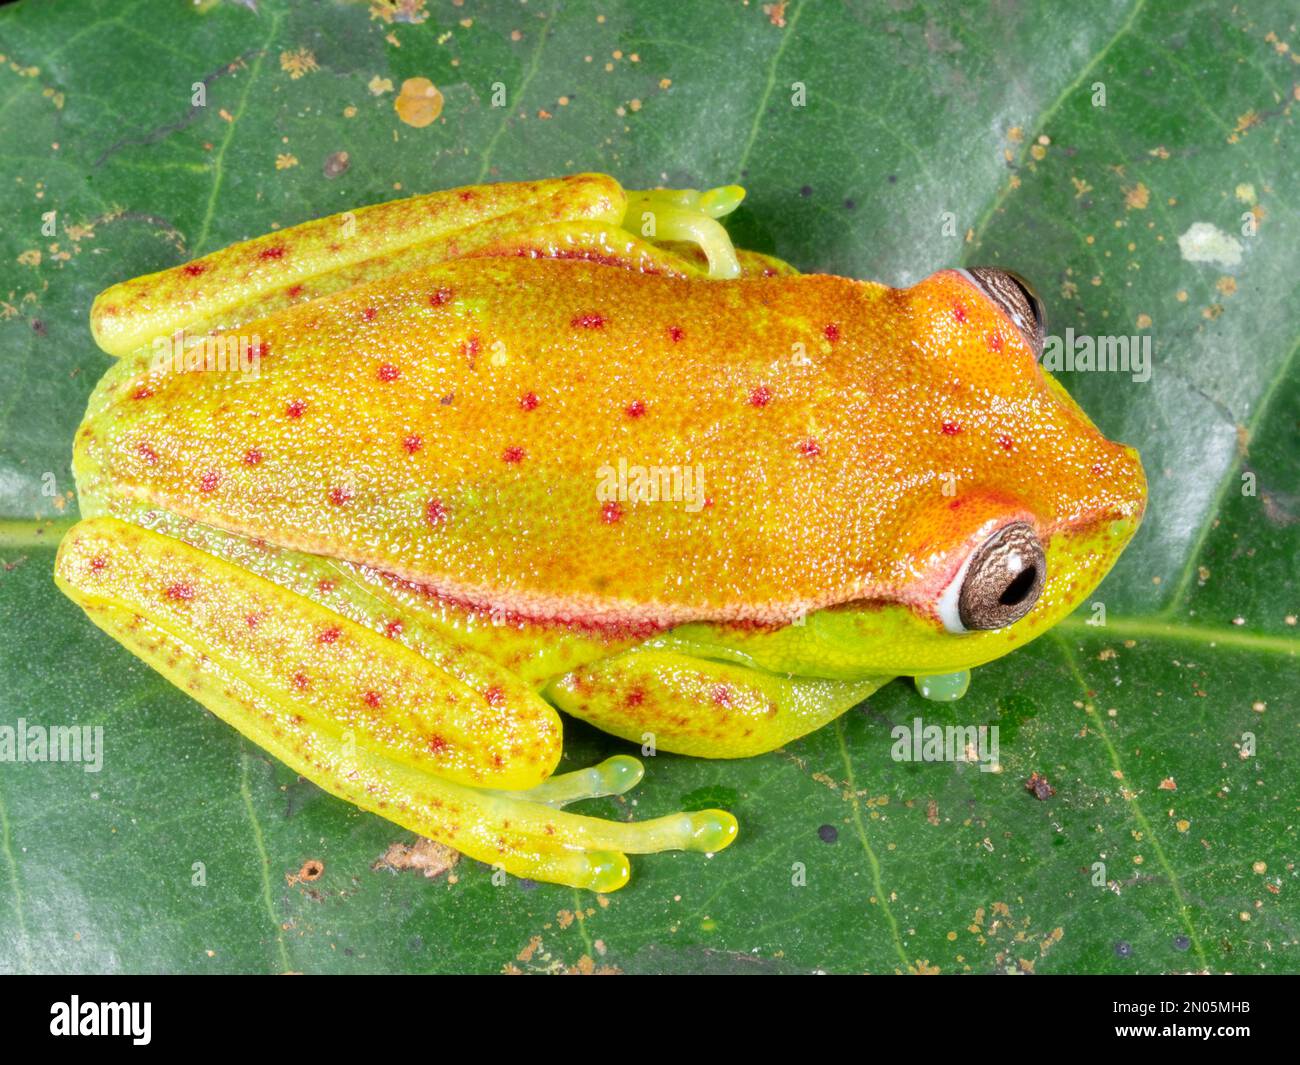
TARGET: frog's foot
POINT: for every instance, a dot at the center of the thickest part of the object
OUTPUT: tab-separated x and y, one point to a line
701	707
686	215
365	717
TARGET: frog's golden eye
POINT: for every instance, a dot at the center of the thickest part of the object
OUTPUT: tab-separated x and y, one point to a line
998	584
1017	298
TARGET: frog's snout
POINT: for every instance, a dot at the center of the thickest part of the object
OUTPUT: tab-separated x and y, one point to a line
1016	298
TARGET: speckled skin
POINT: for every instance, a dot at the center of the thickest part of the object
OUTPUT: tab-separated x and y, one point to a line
415	470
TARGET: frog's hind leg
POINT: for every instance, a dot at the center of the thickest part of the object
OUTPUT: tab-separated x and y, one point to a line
254	278
701	707
364	717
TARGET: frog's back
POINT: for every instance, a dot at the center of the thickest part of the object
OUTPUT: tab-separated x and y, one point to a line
572	440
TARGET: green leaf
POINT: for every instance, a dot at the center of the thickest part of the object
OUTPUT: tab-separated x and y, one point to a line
983	117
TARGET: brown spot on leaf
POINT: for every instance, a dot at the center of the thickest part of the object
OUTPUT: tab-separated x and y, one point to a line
425	855
1038	786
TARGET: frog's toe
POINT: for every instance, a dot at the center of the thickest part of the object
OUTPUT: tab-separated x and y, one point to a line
613	776
688	215
589	851
701	830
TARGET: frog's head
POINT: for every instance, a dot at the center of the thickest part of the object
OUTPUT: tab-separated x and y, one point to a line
1010	516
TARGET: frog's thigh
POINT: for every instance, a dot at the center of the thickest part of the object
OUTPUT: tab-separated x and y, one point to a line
701	707
365	718
485	653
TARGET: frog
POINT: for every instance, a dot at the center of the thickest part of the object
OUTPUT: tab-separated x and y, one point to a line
508	451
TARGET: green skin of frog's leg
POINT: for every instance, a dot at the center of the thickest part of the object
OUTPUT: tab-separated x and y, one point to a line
700	707
398	720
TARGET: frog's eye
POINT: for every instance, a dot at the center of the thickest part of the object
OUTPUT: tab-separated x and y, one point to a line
998	584
1017	298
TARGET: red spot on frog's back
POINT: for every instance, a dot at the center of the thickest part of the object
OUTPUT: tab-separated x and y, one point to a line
589	320
195	269
275	252
529	401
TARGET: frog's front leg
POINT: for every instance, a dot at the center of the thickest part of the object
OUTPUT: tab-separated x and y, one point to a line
702	707
364	717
